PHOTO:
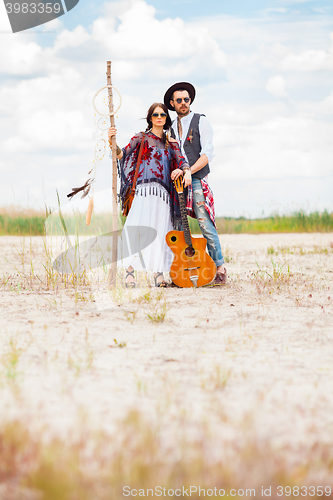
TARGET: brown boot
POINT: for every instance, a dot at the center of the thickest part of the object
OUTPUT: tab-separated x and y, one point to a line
221	278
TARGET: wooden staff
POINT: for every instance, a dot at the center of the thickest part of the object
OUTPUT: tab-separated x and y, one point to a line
113	269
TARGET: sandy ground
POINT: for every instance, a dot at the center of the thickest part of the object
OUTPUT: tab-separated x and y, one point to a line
257	352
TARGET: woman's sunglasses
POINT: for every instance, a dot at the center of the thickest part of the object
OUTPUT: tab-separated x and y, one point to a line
156	115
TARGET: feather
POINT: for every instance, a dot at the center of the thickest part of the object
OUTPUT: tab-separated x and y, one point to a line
85	192
82	188
89	211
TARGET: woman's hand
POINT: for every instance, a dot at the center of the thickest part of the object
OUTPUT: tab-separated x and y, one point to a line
176	173
112	132
187	179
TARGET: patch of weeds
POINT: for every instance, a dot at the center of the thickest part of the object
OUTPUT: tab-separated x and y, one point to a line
119	293
118	344
227	255
275	280
159	295
10	360
53	303
130	315
78	296
141	386
146	297
217	379
322	250
75	364
78	363
280	274
17	289
5	279
89	357
281	250
158	312
299	300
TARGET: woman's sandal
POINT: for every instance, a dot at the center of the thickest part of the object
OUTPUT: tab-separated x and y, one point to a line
130	284
162	283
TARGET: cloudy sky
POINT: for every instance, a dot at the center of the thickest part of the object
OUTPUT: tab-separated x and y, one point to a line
263	70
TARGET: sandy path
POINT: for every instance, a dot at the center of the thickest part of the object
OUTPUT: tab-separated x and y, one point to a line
255	354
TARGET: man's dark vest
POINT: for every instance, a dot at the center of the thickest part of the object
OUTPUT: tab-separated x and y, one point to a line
192	146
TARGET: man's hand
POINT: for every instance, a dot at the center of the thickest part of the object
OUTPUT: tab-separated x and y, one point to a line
187	178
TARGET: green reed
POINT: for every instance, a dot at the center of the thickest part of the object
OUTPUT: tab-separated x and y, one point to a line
298	222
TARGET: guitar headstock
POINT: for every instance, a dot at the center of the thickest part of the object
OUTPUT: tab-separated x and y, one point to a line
179	184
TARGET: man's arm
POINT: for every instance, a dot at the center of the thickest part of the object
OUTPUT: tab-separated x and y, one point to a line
199	164
206	140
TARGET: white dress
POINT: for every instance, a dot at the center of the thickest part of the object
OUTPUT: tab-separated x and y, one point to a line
148	214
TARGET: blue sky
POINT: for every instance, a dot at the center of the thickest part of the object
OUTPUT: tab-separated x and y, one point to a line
86	10
263	71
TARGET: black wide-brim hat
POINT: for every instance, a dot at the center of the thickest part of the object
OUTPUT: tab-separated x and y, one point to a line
178	86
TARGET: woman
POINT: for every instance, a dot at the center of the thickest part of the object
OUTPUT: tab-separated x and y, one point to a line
155	203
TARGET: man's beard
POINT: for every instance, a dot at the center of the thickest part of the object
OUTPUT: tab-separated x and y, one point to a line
184	112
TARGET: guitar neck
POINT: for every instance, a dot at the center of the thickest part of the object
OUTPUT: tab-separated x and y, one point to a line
186	227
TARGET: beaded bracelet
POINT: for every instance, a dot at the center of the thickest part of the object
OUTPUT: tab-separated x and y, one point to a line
119	150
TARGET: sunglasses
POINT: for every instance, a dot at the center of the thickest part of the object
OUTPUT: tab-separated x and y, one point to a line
185	99
156	115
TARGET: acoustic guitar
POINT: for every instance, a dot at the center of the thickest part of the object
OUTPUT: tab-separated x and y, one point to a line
192	266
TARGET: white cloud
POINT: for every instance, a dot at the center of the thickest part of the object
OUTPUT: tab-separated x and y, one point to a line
277	10
309	60
47	112
141	36
277	86
73	38
20	56
4	20
312	59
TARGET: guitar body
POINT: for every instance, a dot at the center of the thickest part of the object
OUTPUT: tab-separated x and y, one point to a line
191	266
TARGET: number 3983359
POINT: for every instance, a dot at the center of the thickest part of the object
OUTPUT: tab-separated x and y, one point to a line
33	8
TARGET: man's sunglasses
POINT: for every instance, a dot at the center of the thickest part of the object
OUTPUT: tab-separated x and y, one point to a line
162	115
185	99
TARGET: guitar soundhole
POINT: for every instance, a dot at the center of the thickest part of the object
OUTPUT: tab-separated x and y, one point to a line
189	252
173	239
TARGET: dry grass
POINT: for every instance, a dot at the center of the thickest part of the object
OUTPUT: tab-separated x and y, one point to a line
19	211
298	250
98	466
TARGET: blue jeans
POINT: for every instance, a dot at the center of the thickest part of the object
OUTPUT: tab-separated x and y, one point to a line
206	225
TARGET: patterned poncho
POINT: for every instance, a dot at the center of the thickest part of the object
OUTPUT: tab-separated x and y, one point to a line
157	163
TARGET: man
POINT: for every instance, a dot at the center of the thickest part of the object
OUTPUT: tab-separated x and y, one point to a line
195	135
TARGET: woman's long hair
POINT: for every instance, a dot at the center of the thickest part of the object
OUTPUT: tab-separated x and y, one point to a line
167	124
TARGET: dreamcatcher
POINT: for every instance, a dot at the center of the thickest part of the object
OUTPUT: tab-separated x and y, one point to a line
100	103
